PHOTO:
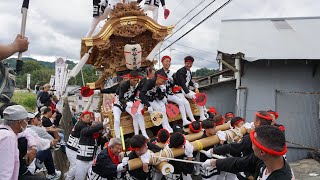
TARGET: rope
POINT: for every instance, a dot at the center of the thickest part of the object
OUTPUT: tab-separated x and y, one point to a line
237	132
157	159
200	147
181	160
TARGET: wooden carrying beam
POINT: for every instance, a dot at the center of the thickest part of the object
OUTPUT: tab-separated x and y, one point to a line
194	136
197	145
165	168
127	124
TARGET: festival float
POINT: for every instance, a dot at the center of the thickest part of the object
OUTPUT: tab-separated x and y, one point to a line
128	41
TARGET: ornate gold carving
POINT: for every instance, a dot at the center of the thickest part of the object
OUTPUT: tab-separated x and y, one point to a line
123	10
129	30
127	23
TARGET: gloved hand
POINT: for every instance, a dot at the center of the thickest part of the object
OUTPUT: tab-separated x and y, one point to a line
207	163
196	85
221	135
248	125
207	153
120	167
129	104
162	88
145	158
188	149
170	79
97	91
191	95
150	109
125	161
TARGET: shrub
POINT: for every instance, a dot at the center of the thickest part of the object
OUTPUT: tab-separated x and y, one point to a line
26	99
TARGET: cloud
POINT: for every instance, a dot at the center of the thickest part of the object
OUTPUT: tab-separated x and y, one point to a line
55	28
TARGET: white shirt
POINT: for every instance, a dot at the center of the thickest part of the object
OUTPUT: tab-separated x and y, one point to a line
264	175
9	152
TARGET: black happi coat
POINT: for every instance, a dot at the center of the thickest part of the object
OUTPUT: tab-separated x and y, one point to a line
253	163
169	85
149	92
155	2
125	93
110	90
138	174
183	78
87	144
73	141
236	149
104	166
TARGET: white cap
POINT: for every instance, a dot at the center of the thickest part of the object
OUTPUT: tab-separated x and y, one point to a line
30	115
15	112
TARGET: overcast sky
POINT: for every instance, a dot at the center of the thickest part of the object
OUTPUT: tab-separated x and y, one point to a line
55	28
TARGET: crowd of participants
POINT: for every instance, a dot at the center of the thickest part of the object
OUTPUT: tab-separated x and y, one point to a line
28	139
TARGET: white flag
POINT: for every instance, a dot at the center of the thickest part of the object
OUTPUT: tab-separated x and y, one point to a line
28	80
51	80
59	72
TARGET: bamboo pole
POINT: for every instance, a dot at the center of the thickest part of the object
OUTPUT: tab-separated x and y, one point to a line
194	136
197	145
165	168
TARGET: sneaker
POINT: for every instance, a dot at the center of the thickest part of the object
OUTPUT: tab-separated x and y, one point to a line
54	176
62	143
38	171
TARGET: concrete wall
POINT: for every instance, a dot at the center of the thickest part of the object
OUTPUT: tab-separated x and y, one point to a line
287	87
222	96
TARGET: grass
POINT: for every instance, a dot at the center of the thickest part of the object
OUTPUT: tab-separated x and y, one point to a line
26	99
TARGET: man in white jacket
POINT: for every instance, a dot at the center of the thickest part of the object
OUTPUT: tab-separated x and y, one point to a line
44	143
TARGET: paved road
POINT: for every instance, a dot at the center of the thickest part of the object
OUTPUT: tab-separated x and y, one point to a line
306	169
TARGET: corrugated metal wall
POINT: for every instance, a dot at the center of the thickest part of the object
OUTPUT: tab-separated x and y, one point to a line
298	112
222	96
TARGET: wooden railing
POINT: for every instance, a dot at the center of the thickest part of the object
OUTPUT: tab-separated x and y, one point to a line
210	79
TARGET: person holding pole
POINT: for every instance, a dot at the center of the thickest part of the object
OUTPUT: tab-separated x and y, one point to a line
267	161
24	12
108	165
20	44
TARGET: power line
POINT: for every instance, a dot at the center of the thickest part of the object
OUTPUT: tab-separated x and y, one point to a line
195	56
185	17
214	12
195	48
177	6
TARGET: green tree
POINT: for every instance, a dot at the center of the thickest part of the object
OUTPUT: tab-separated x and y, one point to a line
203	72
41	72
